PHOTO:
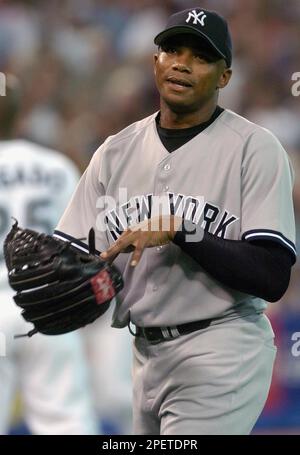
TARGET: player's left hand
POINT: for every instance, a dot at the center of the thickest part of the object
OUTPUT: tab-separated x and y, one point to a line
152	232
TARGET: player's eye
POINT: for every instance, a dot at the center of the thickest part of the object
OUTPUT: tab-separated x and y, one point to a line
203	57
169	49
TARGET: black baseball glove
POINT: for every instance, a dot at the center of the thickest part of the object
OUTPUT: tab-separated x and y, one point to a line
59	288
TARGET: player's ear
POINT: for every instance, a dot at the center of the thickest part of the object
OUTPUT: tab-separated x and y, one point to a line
155	58
224	78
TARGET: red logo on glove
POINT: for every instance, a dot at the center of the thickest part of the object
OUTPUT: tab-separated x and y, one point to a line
103	287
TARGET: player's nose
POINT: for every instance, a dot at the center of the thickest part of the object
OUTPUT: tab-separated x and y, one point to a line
181	67
183	62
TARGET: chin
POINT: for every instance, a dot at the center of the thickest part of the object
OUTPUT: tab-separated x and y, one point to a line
179	106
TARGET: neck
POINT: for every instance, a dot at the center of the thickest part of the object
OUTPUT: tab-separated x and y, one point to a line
179	120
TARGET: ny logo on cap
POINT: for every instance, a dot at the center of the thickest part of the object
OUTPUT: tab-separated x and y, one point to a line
198	17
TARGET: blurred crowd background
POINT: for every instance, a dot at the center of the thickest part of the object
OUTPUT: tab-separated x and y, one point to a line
85	67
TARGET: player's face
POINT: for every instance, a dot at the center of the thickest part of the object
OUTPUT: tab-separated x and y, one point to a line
188	73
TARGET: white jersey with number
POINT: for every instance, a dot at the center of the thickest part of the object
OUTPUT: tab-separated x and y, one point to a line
50	372
35	184
234	179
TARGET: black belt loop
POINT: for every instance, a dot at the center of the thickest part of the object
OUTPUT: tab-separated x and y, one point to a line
136	334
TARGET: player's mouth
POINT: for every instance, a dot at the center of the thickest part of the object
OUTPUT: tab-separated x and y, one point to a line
179	83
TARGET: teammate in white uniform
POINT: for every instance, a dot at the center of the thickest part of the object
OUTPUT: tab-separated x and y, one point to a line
49	372
195	287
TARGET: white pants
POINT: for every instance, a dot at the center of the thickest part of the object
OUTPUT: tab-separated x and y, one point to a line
110	364
209	382
51	374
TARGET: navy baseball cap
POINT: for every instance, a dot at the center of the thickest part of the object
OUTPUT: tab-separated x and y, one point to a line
205	24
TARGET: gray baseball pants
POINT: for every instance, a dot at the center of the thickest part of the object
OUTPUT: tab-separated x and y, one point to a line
210	382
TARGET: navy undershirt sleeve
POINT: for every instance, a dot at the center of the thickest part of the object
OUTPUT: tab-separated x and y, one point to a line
259	268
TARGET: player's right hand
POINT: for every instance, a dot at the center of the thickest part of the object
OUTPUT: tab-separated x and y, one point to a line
152	232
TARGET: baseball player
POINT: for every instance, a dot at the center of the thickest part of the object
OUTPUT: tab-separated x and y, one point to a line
49	372
194	205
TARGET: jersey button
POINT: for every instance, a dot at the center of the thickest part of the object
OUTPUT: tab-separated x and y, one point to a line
155	288
167	167
166	188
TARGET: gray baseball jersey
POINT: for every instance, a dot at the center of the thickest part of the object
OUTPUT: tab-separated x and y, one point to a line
234	178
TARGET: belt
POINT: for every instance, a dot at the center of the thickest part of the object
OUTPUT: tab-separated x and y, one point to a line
156	335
